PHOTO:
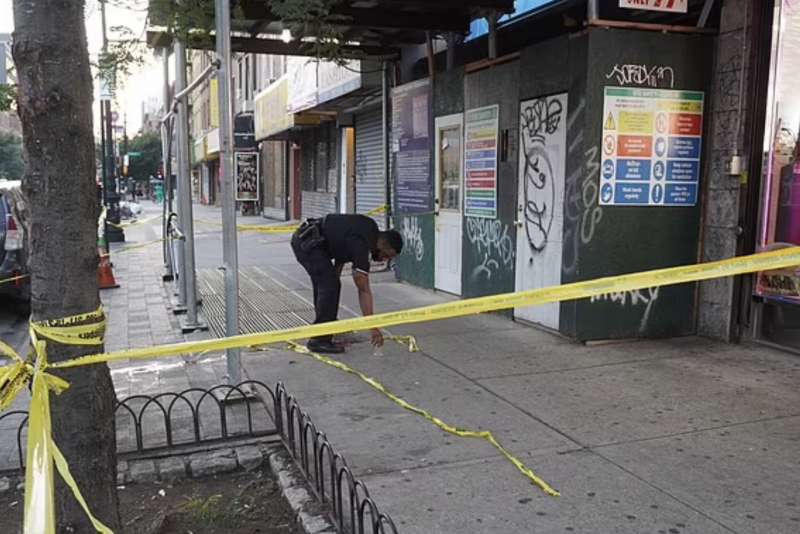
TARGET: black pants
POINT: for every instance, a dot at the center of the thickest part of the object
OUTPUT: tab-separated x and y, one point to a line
327	286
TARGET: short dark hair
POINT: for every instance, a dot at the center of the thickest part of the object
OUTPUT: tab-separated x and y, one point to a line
394	239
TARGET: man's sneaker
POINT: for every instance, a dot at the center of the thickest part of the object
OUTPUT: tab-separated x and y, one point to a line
326	347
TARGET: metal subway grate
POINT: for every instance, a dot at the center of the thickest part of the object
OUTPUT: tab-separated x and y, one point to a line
264	305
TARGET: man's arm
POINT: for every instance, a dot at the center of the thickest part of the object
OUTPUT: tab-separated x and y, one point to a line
339	267
365	301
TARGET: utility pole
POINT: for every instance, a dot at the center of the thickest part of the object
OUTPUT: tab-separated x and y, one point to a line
230	260
113	233
166	170
187	278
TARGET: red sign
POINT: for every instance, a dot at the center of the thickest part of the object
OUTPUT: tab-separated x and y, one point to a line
481	184
480	174
685	124
472	145
635	146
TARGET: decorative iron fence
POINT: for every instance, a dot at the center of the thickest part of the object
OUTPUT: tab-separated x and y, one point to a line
175	419
351	506
168	420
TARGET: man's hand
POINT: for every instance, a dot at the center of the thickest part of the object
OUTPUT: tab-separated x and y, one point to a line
376	338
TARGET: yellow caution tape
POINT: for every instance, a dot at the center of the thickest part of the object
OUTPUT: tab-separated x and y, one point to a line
122	226
14	279
628	282
280	229
42	453
129	248
460	432
87	329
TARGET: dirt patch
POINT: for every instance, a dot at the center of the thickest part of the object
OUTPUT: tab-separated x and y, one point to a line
236	503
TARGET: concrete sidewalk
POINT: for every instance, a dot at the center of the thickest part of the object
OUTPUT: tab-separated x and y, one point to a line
664	437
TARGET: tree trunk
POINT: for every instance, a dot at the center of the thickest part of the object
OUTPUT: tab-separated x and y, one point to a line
55	107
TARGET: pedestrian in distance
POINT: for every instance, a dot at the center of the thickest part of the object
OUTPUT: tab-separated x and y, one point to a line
323	247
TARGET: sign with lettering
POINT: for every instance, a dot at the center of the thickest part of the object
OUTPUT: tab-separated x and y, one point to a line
671	6
652	142
480	161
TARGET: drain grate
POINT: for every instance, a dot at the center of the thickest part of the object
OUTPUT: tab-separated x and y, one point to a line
263	304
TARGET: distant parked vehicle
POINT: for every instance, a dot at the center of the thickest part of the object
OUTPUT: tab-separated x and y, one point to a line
14	281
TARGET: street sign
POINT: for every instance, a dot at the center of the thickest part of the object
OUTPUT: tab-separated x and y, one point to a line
134	154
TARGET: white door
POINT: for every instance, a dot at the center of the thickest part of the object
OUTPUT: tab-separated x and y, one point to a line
540	205
449	172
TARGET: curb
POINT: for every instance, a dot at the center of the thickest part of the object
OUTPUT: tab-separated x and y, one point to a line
310	513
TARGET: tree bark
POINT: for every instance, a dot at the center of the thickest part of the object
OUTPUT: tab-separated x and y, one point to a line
55	107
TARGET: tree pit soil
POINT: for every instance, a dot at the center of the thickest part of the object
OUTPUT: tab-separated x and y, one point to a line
235	503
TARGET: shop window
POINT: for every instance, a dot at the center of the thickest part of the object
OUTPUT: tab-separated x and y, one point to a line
779	320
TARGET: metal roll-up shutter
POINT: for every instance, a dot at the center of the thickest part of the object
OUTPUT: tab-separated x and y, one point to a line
370	182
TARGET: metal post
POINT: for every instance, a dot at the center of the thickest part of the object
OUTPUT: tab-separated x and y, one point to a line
230	260
190	324
165	168
492	19
385	144
593	11
180	154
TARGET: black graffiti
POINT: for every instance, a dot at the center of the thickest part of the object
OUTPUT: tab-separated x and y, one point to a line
538	212
542	117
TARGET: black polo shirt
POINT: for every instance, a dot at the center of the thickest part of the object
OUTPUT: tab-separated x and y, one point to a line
351	238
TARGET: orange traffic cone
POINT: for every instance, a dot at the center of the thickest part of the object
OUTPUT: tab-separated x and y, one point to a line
105	275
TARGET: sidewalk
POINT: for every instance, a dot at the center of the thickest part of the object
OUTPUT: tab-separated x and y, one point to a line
667	437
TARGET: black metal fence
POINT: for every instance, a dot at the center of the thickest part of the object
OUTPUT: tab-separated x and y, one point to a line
148	423
351	506
152	423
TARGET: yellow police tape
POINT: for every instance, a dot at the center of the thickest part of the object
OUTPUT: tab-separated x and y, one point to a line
460	432
629	282
87	329
42	452
14	279
281	229
137	222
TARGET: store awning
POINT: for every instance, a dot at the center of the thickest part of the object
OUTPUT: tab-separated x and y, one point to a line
272	115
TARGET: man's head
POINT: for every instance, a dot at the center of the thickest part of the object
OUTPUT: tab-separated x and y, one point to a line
390	244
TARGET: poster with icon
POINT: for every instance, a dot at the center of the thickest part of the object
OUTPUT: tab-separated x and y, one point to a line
651	147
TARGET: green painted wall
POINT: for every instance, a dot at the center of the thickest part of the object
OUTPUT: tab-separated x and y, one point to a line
609	240
489	246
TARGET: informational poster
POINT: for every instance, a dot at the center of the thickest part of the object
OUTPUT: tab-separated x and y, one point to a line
481	132
670	6
651	146
411	132
246	169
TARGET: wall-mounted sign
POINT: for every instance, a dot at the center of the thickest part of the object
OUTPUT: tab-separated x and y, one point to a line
246	172
411	122
651	146
671	6
480	161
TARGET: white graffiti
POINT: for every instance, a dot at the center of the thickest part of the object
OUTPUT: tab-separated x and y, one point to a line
593	213
412	237
491	239
643	75
487	267
646	298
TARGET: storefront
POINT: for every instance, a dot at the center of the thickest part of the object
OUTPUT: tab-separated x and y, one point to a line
274	126
778	313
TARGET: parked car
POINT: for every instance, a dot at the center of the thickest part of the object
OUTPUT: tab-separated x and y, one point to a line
13	249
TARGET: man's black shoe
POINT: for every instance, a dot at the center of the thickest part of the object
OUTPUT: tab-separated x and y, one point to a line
326	347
